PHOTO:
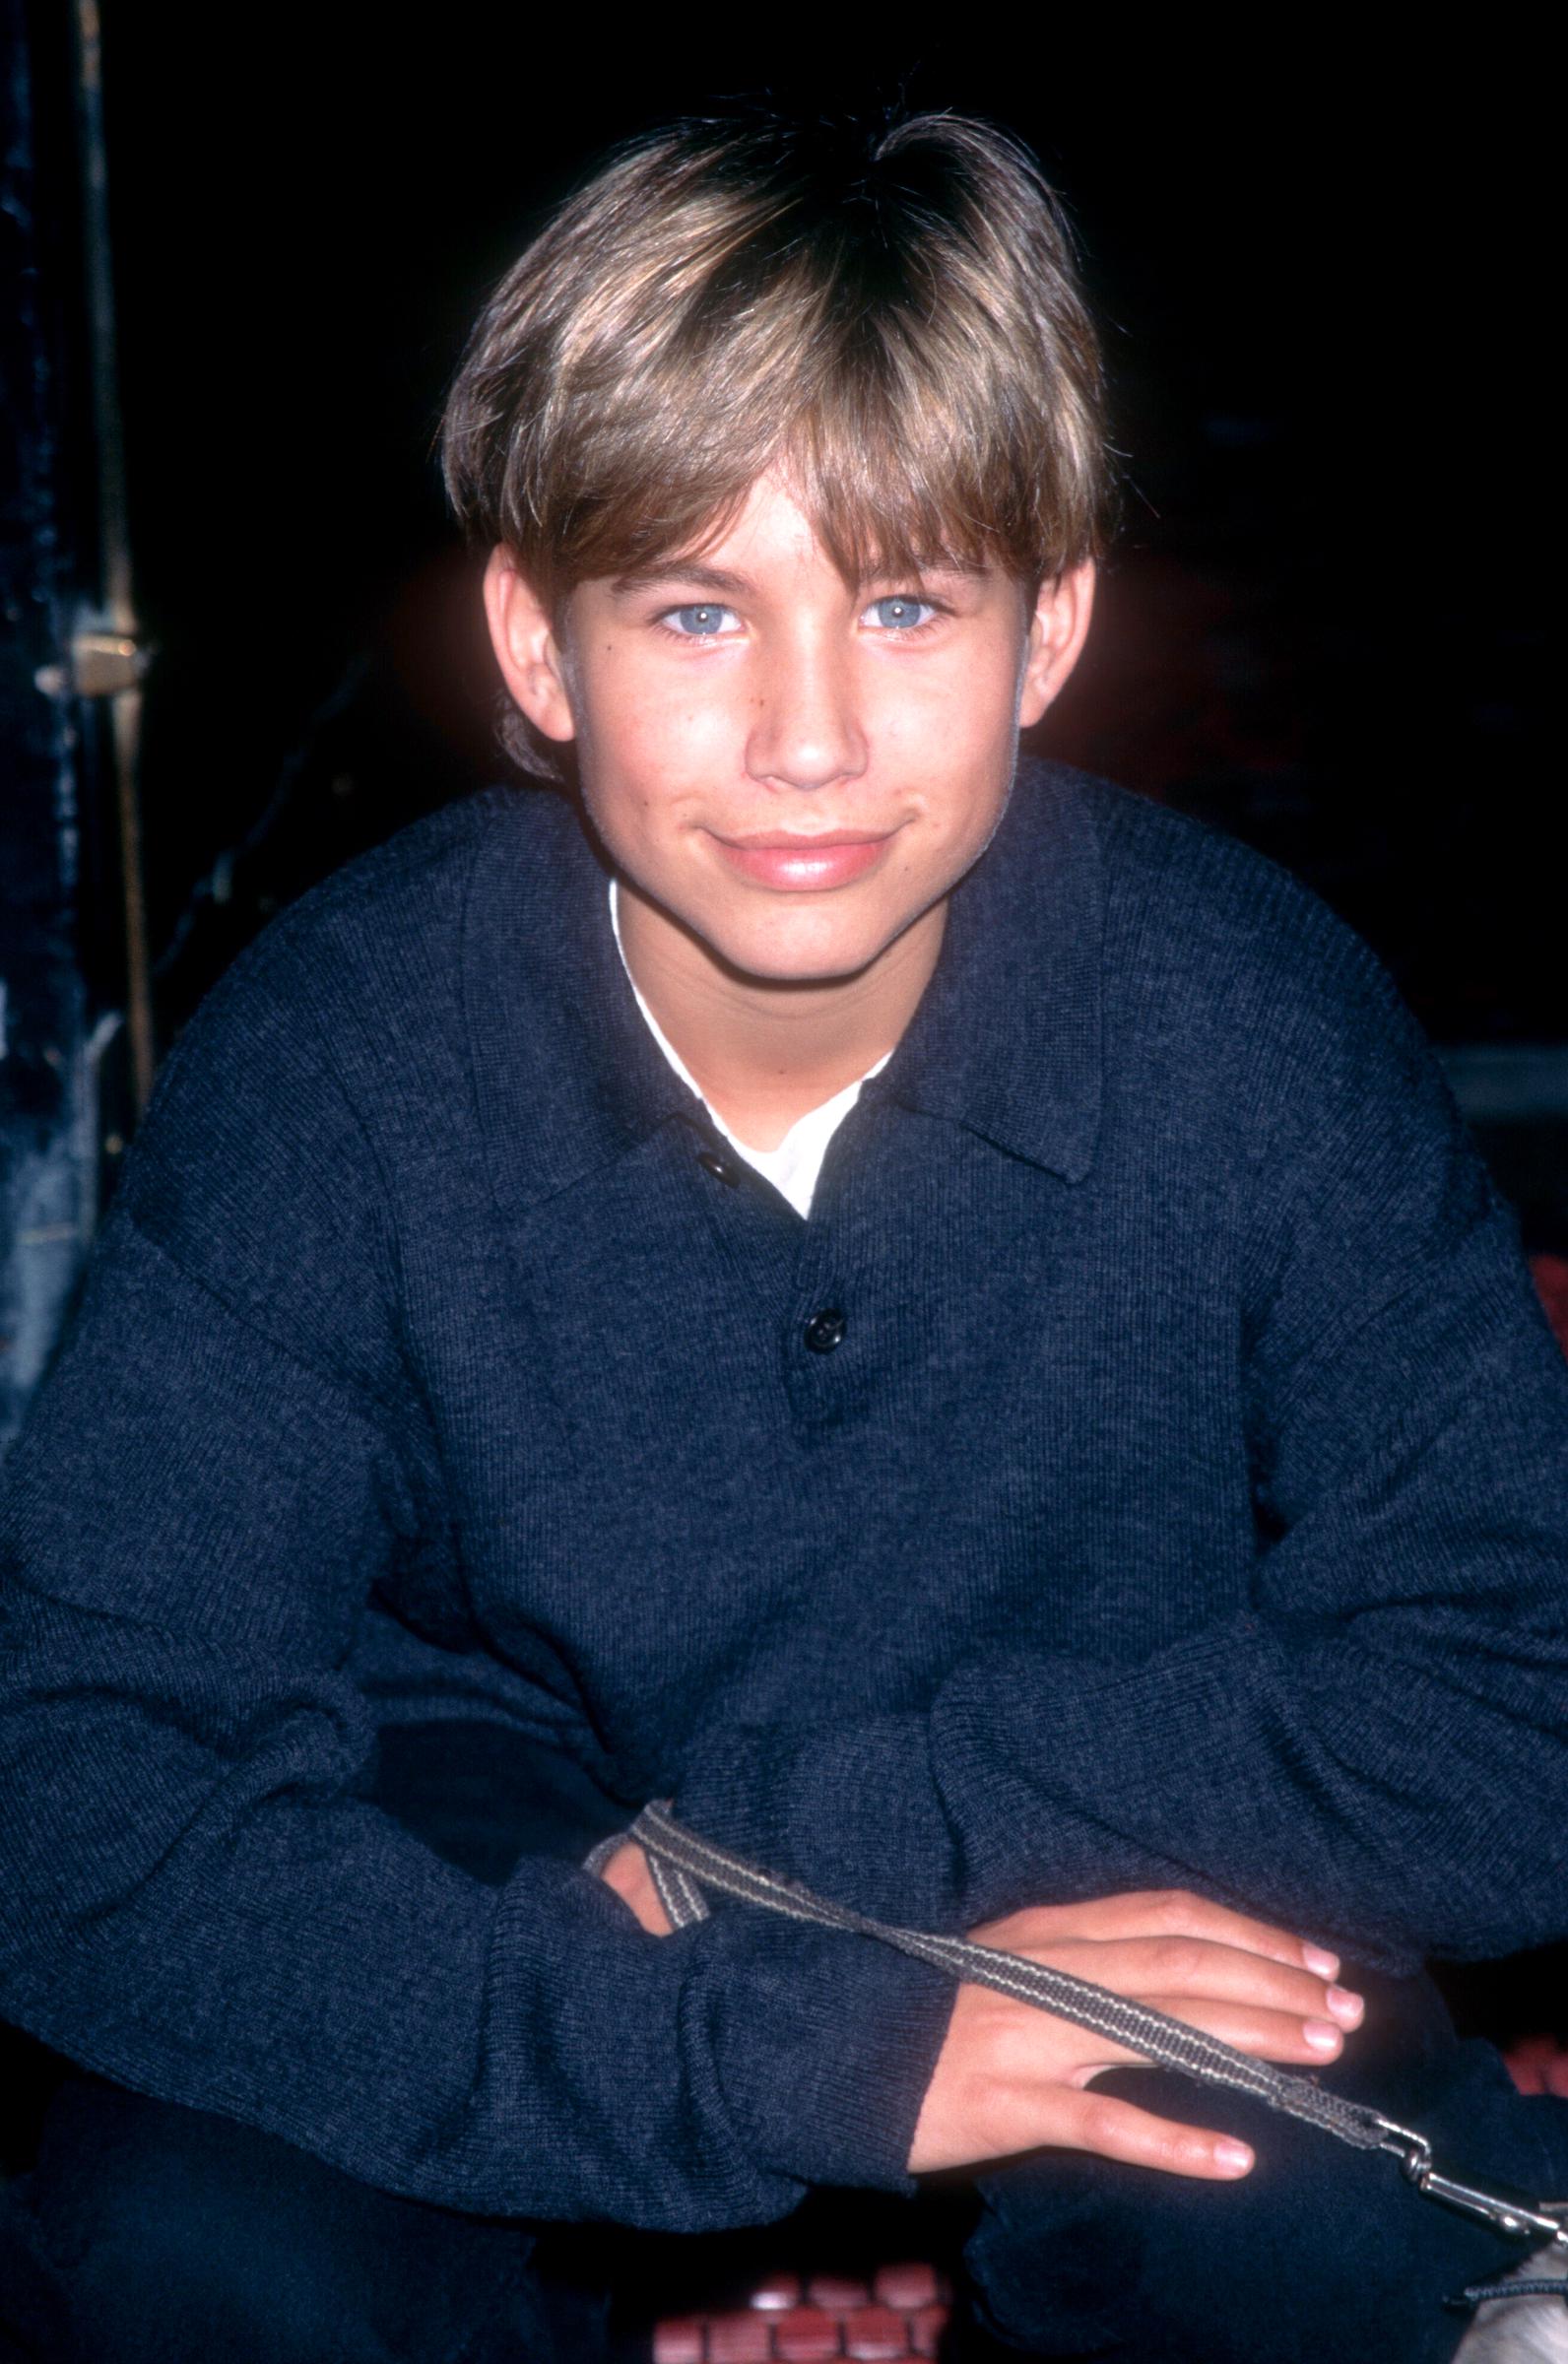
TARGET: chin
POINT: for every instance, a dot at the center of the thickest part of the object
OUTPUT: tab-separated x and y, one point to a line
813	963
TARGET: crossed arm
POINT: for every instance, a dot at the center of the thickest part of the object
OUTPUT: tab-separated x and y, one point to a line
1009	2077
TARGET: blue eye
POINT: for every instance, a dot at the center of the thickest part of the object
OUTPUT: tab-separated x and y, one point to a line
901	613
699	623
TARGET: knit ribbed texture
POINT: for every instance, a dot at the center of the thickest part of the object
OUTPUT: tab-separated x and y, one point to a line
1186	1500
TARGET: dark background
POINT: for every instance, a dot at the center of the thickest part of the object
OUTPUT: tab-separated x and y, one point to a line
1322	272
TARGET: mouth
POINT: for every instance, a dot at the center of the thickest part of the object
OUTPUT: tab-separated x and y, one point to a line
805	840
803	859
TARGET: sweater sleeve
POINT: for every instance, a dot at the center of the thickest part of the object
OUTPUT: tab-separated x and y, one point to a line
1373	1749
199	1900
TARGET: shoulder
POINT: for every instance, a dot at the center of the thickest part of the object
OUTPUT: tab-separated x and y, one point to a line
1243	1011
368	954
1211	943
1182	893
387	919
261	1162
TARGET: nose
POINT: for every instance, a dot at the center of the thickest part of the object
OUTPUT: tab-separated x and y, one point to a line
805	729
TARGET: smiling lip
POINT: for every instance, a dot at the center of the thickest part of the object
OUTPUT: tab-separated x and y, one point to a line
818	858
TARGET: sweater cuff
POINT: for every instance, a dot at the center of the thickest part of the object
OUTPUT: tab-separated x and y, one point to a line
824	2043
601	1851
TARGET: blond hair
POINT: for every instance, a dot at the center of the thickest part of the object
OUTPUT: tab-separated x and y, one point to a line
890	314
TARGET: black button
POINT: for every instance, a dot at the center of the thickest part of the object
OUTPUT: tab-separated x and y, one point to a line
824	1329
719	1166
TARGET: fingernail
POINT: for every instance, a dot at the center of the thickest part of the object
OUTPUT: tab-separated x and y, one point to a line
1234	2156
1346	2006
1319	1959
1319	2035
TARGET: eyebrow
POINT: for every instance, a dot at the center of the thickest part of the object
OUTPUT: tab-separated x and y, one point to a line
724	584
677	570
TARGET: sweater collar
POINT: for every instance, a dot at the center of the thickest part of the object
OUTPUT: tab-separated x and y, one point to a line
1005	1039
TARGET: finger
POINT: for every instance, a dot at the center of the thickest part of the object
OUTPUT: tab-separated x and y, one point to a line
1118	2129
1047	2050
628	1874
1267	2035
1193	1968
1155	1912
1038	2050
627	1870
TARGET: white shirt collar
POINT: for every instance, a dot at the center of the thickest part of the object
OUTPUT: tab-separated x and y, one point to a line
794	1166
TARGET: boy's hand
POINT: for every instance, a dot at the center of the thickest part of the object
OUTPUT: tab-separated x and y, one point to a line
1010	2077
628	1874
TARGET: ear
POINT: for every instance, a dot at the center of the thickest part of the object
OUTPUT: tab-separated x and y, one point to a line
524	641
1057	631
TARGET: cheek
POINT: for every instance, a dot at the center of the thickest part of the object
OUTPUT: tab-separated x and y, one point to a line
955	729
972	692
654	724
966	806
643	760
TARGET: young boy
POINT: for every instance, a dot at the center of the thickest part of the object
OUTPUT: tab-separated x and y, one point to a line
933	1313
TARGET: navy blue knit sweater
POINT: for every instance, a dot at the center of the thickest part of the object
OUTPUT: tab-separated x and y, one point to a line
1185	1500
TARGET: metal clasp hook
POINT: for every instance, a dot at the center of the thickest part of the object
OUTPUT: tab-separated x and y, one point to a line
1513	2217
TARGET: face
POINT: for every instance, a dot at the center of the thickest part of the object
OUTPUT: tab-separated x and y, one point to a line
789	771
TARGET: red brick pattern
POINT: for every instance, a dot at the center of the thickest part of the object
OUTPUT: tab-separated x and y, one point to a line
896	2313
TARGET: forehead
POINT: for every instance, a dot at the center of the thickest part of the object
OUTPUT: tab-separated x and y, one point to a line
770	537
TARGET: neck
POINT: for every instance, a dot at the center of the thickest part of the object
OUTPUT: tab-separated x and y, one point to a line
764	1051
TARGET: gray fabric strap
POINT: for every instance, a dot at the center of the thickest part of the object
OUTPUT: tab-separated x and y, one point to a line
683	1865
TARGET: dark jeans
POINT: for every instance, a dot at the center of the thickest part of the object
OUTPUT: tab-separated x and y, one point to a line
1321	2253
147	2232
